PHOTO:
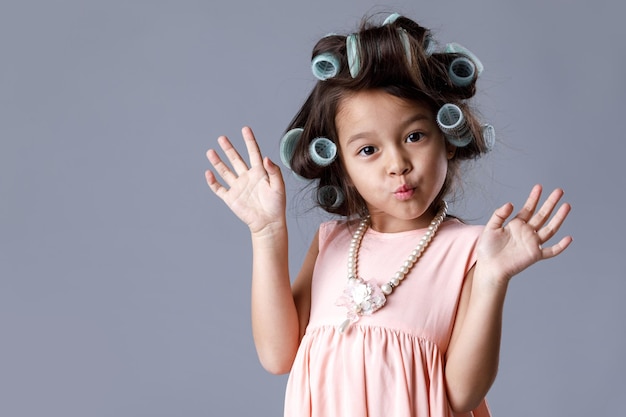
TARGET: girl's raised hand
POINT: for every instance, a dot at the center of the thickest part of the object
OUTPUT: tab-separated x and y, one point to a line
507	250
256	194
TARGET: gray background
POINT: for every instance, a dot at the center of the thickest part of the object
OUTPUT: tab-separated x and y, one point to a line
124	283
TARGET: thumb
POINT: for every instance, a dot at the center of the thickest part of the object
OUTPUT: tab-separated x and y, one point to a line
273	171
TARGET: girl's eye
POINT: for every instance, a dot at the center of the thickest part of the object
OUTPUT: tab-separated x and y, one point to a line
414	137
367	150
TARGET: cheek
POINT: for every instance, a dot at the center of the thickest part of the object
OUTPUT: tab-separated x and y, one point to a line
359	180
440	168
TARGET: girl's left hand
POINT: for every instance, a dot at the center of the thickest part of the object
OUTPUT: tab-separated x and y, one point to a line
506	250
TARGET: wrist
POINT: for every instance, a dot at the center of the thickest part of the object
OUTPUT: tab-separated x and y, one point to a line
270	231
487	277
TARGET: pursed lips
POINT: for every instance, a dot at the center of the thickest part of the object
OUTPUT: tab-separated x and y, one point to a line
404	192
403	188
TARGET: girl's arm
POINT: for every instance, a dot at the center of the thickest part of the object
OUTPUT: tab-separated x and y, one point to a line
280	313
502	252
256	194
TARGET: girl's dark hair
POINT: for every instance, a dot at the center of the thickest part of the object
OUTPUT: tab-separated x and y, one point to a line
384	65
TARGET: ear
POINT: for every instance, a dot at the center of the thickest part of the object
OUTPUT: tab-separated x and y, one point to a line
450	150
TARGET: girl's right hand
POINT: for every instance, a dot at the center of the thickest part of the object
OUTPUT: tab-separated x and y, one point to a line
255	194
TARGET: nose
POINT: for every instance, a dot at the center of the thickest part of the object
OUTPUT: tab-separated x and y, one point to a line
398	163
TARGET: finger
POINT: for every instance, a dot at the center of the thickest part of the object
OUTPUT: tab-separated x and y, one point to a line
220	167
233	156
544	213
254	153
499	217
214	185
530	205
554	250
553	226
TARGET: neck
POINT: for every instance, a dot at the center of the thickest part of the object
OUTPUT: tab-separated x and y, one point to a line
384	223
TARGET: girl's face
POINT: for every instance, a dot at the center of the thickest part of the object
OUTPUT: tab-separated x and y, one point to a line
395	155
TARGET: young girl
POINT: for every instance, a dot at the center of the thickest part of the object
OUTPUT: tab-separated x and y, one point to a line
397	309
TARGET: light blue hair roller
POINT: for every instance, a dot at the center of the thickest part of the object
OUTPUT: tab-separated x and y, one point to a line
430	46
462	71
323	151
288	145
453	125
391	19
325	66
455	48
330	196
354	59
404	37
489	136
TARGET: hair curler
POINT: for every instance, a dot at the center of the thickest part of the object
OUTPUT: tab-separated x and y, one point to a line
325	66
455	48
288	145
391	19
453	125
354	59
323	151
462	71
330	196
404	37
489	136
430	46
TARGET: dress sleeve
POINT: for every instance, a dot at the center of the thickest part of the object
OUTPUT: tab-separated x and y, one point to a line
471	259
326	229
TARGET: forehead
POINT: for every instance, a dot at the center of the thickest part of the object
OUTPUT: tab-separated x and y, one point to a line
377	109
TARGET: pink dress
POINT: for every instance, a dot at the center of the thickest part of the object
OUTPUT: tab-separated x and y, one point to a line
390	363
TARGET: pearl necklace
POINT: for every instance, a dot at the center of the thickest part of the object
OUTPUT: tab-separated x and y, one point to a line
363	298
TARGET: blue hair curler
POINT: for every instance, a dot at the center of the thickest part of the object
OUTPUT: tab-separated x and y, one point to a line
462	71
455	48
288	145
453	125
430	46
330	196
354	59
391	19
489	136
404	37
323	151
325	66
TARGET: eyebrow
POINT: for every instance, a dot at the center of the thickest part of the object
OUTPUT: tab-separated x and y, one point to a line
415	118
